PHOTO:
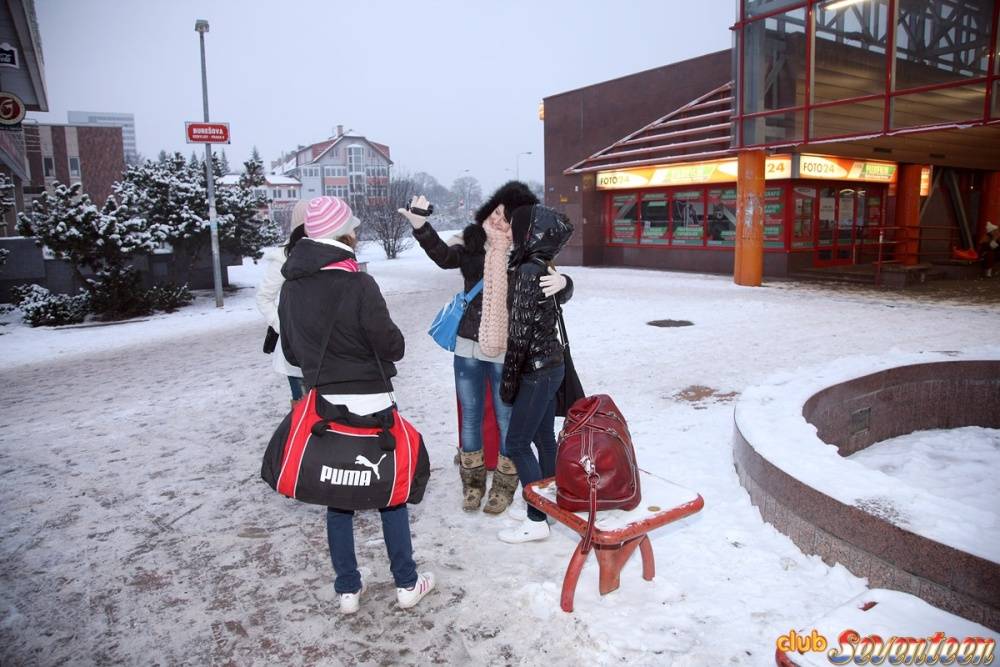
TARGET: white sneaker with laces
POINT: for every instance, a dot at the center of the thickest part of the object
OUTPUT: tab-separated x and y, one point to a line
526	531
408	597
351	602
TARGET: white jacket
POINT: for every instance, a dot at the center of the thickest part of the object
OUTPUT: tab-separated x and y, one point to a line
268	292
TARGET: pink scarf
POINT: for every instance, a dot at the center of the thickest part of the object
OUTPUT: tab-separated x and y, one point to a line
348	265
493	325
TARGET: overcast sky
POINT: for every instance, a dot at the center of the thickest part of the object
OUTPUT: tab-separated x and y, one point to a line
449	86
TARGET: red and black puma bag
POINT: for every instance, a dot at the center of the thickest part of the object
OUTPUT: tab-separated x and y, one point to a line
325	455
595	464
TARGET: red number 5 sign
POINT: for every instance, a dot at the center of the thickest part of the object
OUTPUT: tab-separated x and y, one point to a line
11	109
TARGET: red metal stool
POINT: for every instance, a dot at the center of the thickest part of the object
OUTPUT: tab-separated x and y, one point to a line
617	533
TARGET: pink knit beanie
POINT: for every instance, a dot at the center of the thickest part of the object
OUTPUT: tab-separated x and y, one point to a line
329	217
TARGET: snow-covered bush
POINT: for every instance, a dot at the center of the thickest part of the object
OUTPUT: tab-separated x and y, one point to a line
40	307
118	294
170	297
4	254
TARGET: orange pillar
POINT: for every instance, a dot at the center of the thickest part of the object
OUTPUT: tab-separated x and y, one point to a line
989	207
749	257
908	214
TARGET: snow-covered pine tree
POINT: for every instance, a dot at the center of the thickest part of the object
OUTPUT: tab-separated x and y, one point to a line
223	163
246	231
104	240
253	171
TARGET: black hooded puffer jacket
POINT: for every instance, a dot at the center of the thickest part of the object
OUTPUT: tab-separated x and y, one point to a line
532	342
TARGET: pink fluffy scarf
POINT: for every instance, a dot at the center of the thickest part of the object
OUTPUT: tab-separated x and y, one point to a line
493	325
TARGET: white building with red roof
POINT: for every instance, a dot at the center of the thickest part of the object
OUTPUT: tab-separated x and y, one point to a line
346	165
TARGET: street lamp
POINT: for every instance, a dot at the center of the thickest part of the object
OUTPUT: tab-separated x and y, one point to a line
201	27
517	165
466	199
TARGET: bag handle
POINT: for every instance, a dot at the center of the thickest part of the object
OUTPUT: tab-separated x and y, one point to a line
474	292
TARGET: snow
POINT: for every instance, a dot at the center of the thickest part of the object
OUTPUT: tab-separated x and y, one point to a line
894	614
136	528
958	463
770	416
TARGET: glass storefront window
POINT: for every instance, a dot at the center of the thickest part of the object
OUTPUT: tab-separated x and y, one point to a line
722	217
655	217
938	46
774	62
802	223
932	107
827	231
688	217
774	217
849	49
623	227
845	222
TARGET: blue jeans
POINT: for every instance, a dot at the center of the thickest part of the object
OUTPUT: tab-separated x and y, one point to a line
470	376
395	529
533	420
296	386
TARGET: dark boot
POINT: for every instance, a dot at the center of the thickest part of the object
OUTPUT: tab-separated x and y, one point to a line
473	473
503	488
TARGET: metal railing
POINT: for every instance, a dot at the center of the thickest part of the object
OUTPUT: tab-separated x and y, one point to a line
892	244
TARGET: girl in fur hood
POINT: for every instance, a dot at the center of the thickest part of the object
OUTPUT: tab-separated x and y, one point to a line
481	252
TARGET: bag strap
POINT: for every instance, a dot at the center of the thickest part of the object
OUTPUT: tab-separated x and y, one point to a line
326	341
562	323
592	479
474	292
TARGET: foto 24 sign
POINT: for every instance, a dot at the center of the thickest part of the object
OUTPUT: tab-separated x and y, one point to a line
207	133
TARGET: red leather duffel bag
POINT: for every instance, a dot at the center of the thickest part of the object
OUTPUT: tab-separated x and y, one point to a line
595	465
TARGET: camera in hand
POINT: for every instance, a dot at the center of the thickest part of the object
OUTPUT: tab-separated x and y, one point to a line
422	212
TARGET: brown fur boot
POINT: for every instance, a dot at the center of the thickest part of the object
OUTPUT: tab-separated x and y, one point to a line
503	488
473	473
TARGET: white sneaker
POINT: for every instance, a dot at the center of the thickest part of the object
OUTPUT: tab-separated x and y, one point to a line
408	597
351	602
517	510
527	531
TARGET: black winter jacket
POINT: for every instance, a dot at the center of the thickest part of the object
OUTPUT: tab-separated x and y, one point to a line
532	340
311	298
469	257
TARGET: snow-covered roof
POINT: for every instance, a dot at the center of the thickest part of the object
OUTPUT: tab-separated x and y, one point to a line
278	179
270	180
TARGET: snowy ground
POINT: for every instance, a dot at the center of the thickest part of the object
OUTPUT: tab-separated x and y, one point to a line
958	463
135	528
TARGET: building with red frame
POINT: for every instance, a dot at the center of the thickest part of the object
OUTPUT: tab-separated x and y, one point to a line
836	132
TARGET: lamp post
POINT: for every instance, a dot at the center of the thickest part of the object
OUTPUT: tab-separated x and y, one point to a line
201	27
465	200
517	165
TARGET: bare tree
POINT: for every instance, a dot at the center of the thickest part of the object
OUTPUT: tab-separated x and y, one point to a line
380	219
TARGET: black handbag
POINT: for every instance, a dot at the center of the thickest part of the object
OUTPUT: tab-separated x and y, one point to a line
270	340
571	390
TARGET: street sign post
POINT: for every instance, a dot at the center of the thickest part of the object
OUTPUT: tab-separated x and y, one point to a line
207	133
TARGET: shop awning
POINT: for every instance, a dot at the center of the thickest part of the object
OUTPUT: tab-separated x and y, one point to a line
699	130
